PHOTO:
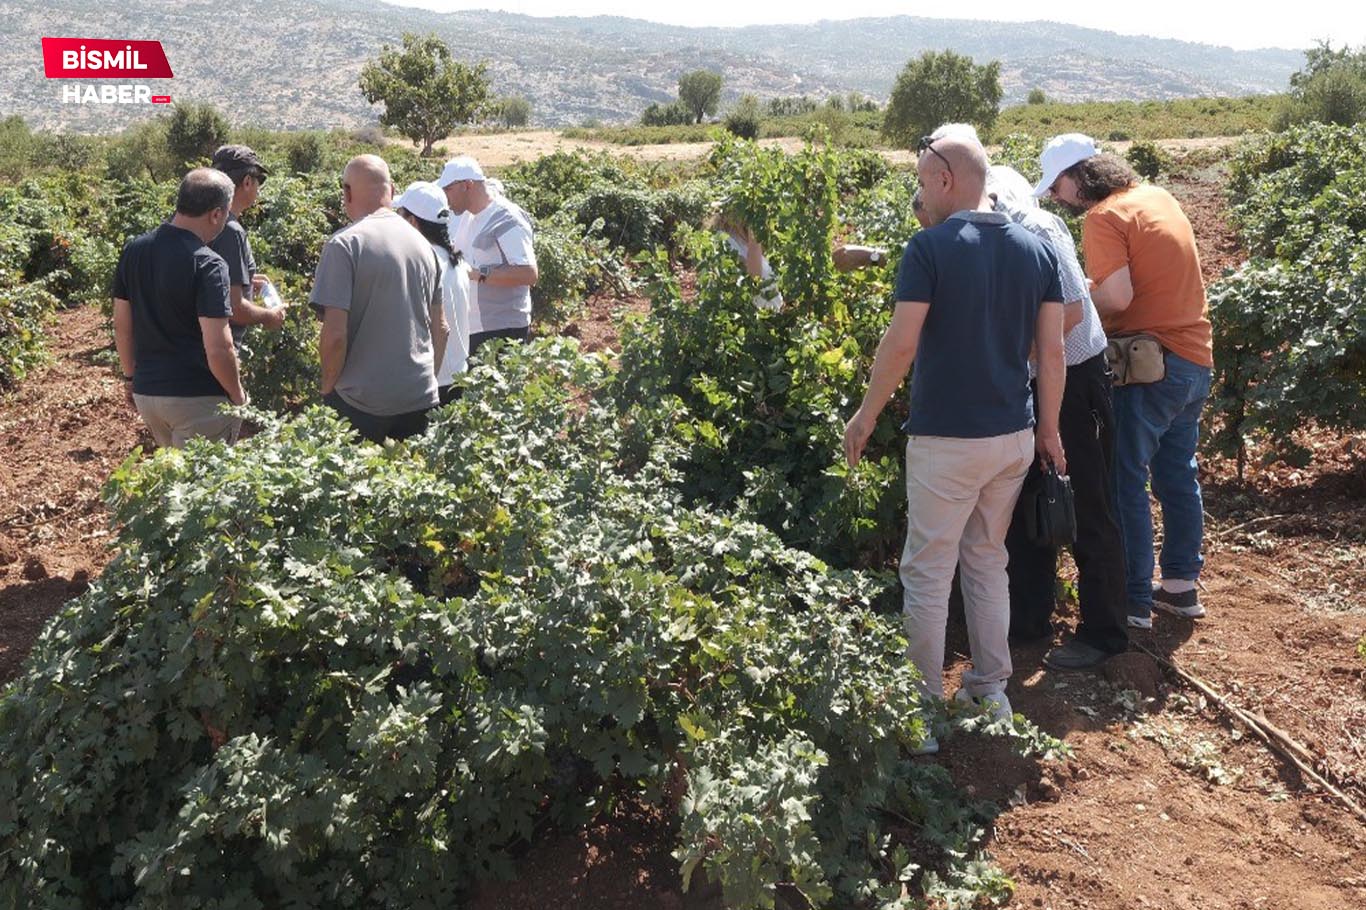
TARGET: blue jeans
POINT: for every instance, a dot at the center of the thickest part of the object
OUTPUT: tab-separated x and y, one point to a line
1157	428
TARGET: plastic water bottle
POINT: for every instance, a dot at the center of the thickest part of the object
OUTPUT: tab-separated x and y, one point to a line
270	298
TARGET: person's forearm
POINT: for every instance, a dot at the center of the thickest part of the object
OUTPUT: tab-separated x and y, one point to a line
332	353
223	365
440	335
1052	379
754	260
244	312
511	276
123	337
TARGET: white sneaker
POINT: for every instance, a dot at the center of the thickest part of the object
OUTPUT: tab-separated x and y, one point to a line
1140	622
995	704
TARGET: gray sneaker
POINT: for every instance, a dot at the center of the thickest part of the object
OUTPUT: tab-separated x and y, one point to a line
1075	655
1140	621
1186	604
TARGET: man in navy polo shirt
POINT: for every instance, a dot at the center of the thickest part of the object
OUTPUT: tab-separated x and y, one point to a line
974	292
171	309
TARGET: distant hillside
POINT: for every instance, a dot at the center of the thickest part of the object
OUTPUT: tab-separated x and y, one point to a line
294	63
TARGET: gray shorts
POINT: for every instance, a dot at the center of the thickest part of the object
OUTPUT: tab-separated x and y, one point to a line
174	419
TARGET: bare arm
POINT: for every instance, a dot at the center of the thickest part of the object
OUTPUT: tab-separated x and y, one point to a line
244	312
509	276
1114	294
123	336
1052	376
848	257
895	354
754	259
222	357
441	333
332	347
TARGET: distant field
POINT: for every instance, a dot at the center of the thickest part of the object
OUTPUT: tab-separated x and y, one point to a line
1115	121
1184	118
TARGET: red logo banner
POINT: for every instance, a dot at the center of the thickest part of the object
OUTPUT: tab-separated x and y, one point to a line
100	58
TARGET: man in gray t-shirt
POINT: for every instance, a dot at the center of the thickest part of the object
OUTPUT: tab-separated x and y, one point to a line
378	288
496	239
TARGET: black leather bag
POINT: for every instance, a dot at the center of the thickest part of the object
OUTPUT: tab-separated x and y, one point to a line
1051	516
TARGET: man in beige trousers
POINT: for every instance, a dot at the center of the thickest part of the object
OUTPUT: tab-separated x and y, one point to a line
171	309
974	293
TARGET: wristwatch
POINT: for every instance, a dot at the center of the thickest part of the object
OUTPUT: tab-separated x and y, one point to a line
875	256
484	273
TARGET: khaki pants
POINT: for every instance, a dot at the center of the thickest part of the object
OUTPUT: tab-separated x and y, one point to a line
960	494
173	419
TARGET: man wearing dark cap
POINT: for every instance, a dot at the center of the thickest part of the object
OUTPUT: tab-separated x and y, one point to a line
244	168
171	319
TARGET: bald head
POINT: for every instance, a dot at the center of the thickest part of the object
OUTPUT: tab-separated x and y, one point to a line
953	175
366	186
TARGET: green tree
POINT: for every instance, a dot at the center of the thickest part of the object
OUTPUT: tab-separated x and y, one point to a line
700	92
1036	96
513	112
942	87
1330	89
194	131
745	118
426	93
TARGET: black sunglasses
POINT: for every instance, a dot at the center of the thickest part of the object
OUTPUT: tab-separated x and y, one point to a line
926	144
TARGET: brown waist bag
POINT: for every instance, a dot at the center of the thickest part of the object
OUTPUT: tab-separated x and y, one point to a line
1136	359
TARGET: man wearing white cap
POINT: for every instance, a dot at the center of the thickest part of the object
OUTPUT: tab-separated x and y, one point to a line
378	289
1147	286
498	245
1086	424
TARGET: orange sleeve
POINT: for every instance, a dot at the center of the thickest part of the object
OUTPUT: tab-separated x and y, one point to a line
1105	244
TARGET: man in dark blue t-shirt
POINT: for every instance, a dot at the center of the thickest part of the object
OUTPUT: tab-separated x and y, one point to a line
247	173
171	309
974	293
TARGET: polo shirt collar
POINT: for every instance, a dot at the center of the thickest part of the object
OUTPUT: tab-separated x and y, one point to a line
981	217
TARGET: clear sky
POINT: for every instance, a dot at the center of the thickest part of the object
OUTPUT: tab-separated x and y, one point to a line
1297	24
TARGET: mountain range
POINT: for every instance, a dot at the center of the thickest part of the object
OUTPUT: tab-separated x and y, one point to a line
286	64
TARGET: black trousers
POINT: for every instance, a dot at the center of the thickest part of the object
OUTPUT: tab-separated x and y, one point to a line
376	428
477	339
1087	426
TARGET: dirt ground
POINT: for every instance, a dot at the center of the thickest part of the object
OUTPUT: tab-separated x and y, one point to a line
1163	803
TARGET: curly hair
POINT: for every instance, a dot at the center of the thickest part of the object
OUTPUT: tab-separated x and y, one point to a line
1101	176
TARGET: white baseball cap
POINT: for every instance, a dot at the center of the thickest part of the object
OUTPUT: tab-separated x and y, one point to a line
1059	154
425	200
461	168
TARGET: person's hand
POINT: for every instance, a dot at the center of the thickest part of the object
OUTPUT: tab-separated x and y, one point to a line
128	396
1048	444
274	319
241	398
848	258
474	275
258	281
856	433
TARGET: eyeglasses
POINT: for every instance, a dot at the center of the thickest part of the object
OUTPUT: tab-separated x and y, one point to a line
926	144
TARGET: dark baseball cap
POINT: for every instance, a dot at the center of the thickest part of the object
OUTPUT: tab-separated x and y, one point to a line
232	158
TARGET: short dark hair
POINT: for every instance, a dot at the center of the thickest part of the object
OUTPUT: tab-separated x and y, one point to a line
1101	176
201	191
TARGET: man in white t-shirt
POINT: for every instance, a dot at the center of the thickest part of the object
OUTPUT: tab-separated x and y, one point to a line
496	240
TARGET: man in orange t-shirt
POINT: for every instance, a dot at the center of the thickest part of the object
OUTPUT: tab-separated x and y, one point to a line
1141	258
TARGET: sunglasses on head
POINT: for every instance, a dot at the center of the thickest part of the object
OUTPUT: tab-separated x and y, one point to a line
926	144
